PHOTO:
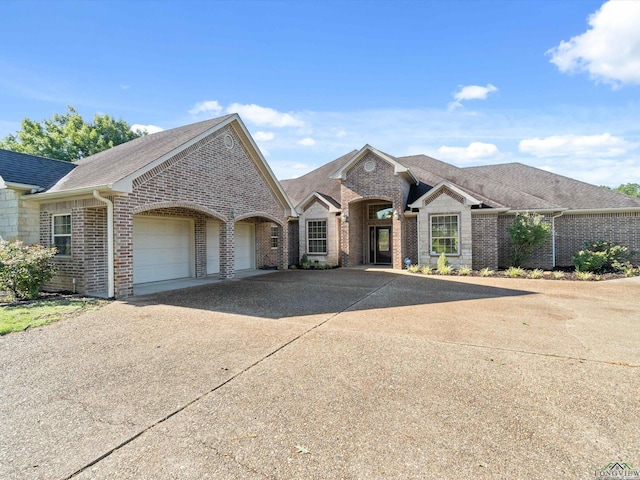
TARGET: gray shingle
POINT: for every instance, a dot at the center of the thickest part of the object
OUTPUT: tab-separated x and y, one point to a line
32	170
121	161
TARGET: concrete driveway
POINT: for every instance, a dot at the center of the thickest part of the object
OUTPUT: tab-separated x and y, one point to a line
331	374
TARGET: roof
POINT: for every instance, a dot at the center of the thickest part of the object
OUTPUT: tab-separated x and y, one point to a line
318	180
28	169
121	161
511	185
556	189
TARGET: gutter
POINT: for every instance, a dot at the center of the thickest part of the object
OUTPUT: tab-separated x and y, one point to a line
70	193
110	269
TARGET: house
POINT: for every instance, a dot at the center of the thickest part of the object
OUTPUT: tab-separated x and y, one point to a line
368	207
193	201
22	174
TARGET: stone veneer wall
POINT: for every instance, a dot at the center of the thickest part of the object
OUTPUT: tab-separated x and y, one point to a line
19	220
319	211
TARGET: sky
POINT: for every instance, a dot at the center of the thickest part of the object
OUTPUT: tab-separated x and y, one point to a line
553	84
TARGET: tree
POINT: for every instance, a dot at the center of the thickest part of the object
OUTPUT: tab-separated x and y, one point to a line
528	231
68	137
632	189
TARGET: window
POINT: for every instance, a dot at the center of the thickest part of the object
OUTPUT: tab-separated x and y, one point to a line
274	237
317	236
444	234
380	212
61	233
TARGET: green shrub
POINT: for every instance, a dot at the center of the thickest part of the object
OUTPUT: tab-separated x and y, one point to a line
603	257
536	274
558	274
413	268
528	231
305	264
631	272
445	270
487	272
24	269
442	261
464	271
426	269
515	272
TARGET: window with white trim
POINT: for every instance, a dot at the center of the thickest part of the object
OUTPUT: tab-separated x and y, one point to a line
317	237
61	233
275	234
445	235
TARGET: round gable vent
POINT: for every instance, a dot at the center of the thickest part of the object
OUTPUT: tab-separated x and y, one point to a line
228	141
369	166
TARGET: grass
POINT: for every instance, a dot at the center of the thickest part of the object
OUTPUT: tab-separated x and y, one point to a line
21	316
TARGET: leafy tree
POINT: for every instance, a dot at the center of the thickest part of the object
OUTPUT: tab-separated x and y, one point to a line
68	137
528	231
632	189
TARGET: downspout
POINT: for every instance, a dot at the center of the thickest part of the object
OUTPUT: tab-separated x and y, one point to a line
110	274
553	237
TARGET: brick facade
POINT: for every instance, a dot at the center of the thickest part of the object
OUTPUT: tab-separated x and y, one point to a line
361	188
205	181
484	232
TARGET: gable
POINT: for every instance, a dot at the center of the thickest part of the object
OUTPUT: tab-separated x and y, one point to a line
449	195
447	192
368	151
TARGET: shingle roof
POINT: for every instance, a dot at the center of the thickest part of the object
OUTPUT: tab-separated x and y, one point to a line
32	170
556	189
117	163
317	180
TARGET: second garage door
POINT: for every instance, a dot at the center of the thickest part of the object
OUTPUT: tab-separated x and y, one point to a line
245	246
161	249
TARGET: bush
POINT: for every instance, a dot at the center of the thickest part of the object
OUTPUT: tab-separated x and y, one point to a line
426	269
445	270
442	261
603	257
413	268
585	275
24	269
528	231
558	274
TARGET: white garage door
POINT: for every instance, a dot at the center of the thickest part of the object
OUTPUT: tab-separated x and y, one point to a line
245	249
213	247
161	249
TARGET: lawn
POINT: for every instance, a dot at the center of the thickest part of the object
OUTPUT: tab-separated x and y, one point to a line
21	316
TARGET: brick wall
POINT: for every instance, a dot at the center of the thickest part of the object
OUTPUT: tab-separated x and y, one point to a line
411	238
359	186
573	231
294	242
484	231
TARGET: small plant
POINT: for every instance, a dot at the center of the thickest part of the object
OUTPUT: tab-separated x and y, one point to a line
426	269
603	257
24	269
536	274
445	270
631	272
464	271
528	231
585	275
442	261
558	274
515	272
487	272
413	268
305	264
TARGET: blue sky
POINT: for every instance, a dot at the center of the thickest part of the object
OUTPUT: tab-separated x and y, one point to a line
553	84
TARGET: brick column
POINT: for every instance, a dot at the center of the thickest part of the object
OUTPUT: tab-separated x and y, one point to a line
123	247
344	237
227	250
397	226
283	244
201	246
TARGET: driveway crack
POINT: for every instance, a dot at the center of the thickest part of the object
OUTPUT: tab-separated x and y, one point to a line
220	385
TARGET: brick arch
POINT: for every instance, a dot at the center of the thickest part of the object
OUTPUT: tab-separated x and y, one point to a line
260	214
188	205
371	197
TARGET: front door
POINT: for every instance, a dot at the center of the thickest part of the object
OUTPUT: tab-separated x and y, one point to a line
380	245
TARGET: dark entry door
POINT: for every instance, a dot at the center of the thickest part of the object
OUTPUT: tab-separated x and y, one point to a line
382	245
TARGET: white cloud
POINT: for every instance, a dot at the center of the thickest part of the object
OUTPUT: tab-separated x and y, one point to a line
263	136
609	50
591	146
307	142
264	116
471	92
474	152
147	128
208	106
